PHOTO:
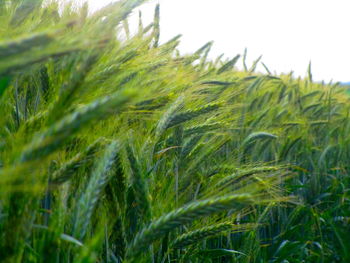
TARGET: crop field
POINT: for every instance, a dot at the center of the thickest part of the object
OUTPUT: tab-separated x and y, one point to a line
114	147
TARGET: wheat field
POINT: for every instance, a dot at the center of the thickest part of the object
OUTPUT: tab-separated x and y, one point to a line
116	148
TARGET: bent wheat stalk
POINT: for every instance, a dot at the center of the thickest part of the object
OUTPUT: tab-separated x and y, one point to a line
185	215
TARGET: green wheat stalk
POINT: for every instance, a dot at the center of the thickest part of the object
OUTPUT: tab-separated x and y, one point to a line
53	137
99	178
201	234
185	215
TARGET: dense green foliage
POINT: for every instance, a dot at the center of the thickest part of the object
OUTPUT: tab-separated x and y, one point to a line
115	148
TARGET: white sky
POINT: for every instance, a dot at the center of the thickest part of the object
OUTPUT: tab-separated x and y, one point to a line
288	33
